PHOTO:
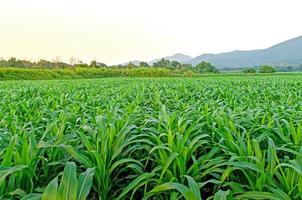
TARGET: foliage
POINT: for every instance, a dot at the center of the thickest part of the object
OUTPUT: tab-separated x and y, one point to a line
71	187
289	68
169	138
161	63
82	72
172	64
186	66
205	67
249	71
188	73
82	65
131	65
176	65
296	68
93	64
144	64
100	64
266	69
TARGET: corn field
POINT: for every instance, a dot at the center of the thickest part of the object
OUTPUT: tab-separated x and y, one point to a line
220	138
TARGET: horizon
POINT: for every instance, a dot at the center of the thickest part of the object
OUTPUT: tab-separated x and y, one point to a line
148	61
128	31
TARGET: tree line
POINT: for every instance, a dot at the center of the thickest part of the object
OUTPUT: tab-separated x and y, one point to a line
272	69
261	69
203	67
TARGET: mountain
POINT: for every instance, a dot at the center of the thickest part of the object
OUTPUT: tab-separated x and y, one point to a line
135	62
182	58
179	58
288	53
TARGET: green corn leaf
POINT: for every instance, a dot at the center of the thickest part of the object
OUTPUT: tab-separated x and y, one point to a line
194	187
167	165
5	171
9	153
51	191
33	196
257	195
222	195
69	183
134	183
184	190
85	183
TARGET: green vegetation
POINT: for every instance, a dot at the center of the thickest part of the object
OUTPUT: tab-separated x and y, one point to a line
205	67
263	69
266	69
95	69
289	68
257	69
100	70
249	71
80	73
221	137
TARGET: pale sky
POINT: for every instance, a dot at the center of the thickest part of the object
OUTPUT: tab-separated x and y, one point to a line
117	31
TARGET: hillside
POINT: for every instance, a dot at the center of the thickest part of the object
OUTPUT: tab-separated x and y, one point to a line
182	58
288	53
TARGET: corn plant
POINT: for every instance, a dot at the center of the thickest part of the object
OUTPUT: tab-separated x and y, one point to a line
220	138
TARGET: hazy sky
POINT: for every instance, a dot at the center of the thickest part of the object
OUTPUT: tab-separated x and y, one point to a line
116	31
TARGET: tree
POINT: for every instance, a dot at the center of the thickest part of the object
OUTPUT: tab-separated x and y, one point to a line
144	64
93	64
131	65
187	66
45	63
72	61
176	65
100	64
25	63
12	62
83	65
205	67
249	71
267	69
162	63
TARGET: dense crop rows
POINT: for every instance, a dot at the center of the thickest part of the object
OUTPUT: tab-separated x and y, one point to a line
218	138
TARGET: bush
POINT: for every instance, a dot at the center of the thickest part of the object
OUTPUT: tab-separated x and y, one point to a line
249	71
188	73
266	69
205	67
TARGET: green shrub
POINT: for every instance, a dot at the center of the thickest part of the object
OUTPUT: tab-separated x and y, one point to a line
266	69
188	73
205	67
249	71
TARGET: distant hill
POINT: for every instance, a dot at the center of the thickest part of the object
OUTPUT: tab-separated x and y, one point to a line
288	53
136	62
179	57
182	58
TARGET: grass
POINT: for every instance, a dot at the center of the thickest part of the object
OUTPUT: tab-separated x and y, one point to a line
223	137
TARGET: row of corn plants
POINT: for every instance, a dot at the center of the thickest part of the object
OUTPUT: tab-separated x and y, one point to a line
171	138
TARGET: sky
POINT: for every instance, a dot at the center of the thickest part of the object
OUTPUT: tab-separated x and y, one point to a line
117	31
